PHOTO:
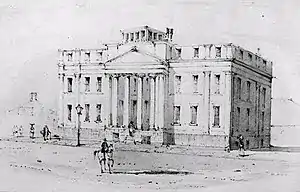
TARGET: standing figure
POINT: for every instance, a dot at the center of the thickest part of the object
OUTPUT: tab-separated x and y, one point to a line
21	131
104	150
32	130
241	145
46	133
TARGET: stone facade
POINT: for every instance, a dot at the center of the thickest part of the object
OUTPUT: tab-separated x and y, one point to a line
188	95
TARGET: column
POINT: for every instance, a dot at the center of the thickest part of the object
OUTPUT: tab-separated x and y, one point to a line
161	101
107	104
139	103
227	107
156	121
61	98
206	101
114	100
152	100
126	101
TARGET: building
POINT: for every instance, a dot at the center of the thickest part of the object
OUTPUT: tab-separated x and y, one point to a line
203	95
17	121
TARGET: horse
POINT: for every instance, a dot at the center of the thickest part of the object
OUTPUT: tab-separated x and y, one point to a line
106	159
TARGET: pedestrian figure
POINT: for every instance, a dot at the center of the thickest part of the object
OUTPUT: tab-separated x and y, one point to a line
241	145
21	131
104	149
131	128
46	133
32	130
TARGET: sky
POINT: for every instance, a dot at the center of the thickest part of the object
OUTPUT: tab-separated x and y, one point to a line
32	31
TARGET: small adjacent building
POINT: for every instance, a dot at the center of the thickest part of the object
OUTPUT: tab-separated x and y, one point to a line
202	95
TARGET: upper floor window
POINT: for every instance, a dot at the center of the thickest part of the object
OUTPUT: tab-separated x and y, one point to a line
131	36
218	52
154	36
137	36
87	56
264	64
217	81
99	55
143	34
248	90
196	52
127	37
239	88
241	54
159	37
250	57
99	84
70	56
87	84
150	35
195	83
216	120
177	84
70	84
178	51
264	97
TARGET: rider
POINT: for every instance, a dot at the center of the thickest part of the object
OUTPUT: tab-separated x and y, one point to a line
104	148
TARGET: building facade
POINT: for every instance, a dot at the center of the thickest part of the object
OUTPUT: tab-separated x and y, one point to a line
203	95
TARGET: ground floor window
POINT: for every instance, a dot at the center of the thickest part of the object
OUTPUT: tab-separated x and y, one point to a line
98	112
69	107
194	111
177	115
216	120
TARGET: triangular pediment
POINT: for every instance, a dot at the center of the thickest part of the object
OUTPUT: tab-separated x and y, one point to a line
135	55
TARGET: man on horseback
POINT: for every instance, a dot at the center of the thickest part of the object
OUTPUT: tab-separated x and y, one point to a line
104	149
107	155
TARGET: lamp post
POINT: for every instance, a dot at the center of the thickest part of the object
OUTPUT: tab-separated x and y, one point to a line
78	109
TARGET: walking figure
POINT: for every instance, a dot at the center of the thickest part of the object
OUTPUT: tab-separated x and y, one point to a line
241	145
46	133
32	129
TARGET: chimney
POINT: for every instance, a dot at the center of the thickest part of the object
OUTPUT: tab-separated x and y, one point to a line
33	96
169	33
258	51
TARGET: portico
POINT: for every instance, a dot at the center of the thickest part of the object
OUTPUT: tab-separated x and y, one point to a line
136	97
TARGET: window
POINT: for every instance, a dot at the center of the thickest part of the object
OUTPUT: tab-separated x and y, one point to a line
87	113
178	51
248	119
196	52
264	97
131	36
137	35
264	64
239	88
241	54
98	112
143	34
87	84
218	52
193	115
99	84
195	83
177	84
154	36
177	115
70	84
87	56
70	56
217	81
159	37
262	121
69	112
150	36
238	117
99	55
261	143
248	90
127	37
250	57
216	110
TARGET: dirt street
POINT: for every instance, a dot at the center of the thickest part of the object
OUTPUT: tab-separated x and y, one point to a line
40	167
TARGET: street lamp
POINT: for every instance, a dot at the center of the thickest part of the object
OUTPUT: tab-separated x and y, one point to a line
78	109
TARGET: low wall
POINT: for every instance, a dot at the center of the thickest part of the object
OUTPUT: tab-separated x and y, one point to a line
285	136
